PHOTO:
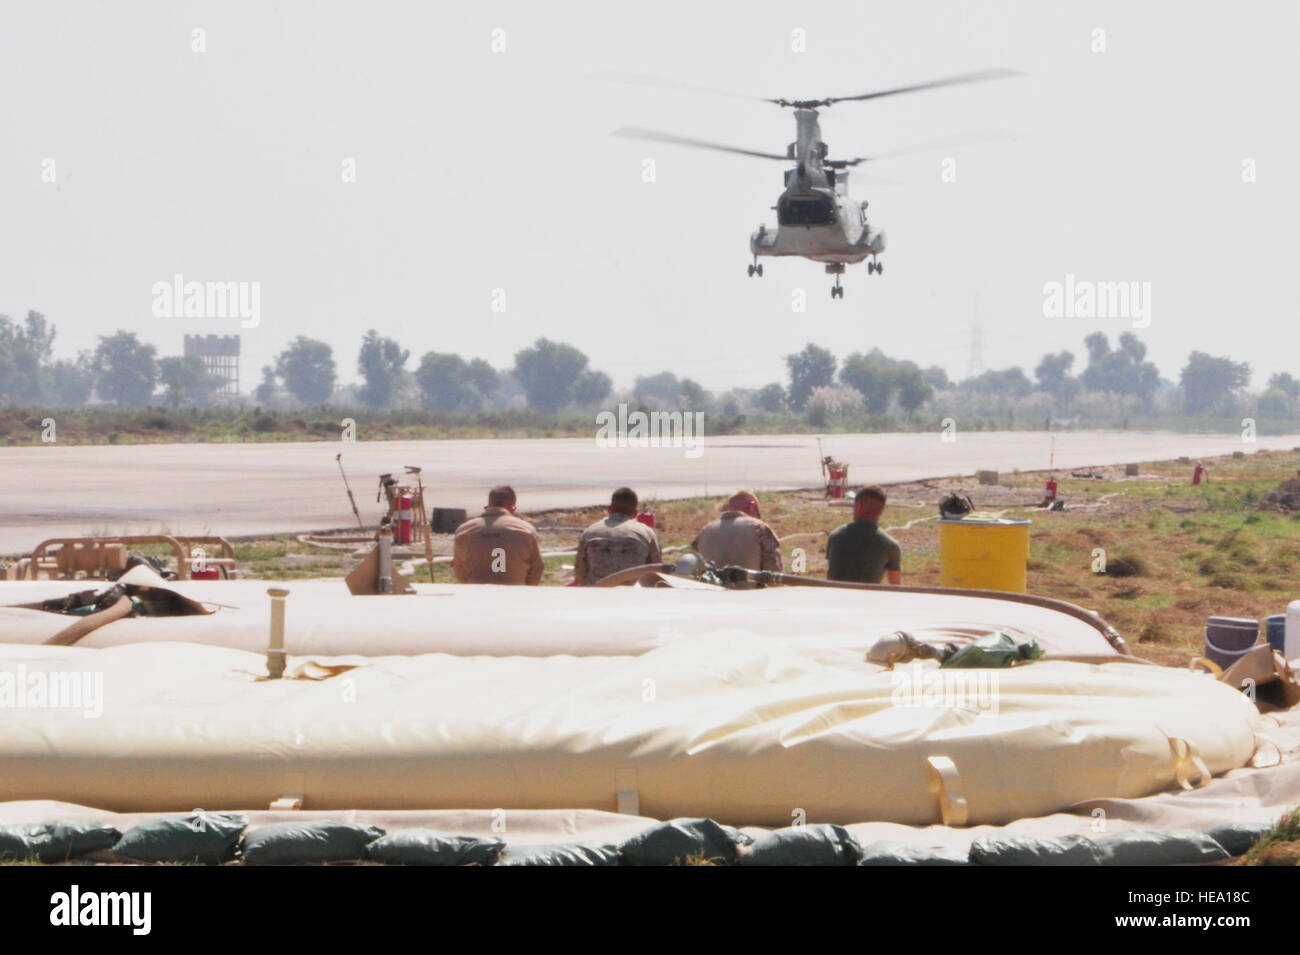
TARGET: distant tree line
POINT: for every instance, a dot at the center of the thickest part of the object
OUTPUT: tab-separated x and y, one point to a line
1207	384
550	377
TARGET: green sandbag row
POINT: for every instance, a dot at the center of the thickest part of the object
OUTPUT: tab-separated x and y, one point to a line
54	841
214	838
1133	847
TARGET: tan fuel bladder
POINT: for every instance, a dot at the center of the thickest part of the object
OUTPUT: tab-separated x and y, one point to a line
322	617
723	722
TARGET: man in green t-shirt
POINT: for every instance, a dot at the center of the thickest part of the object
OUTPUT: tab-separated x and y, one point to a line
861	552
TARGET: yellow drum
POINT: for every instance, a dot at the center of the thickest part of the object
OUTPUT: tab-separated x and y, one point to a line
984	554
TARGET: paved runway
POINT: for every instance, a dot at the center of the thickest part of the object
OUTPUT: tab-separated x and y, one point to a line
238	489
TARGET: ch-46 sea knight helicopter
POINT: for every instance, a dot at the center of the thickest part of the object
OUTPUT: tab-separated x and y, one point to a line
816	218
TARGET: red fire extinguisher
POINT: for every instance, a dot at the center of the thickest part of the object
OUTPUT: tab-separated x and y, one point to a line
402	520
1197	472
647	518
1051	489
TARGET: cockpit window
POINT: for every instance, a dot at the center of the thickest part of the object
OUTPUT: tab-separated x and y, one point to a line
819	210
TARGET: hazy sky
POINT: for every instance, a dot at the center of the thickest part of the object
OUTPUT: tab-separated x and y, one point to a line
479	170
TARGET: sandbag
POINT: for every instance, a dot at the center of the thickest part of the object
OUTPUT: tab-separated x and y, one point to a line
572	854
208	838
55	841
802	845
1237	837
1159	847
1033	850
292	843
678	841
903	853
431	847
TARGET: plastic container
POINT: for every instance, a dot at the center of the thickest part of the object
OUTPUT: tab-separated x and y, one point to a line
978	554
1227	638
1275	631
1292	630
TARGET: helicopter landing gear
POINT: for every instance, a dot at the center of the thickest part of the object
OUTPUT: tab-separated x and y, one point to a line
756	269
874	266
836	269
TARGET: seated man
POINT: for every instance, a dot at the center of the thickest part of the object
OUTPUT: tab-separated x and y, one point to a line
497	547
616	542
739	537
861	552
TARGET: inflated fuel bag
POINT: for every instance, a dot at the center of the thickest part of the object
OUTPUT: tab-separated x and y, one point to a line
291	843
431	847
204	837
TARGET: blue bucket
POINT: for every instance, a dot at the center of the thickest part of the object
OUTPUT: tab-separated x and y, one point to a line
1277	632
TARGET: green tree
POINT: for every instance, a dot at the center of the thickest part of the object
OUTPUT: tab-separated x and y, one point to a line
547	371
71	381
936	378
483	377
657	391
814	367
913	389
693	396
444	382
186	381
265	391
125	370
306	367
1053	374
1209	383
1123	371
1275	403
1008	381
1286	384
771	398
24	355
380	363
872	376
591	387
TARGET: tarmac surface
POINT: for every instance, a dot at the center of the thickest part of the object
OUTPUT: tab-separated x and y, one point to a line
243	489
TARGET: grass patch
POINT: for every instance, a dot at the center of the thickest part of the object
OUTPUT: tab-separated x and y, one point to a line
1280	845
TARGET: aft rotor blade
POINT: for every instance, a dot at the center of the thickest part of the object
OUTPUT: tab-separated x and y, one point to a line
948	142
631	132
961	79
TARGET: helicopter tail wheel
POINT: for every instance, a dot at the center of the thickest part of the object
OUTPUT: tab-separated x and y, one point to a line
837	291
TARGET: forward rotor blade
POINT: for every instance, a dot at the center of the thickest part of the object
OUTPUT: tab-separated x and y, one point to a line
632	132
960	79
659	82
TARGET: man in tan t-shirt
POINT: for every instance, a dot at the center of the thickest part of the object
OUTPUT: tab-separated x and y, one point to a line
739	537
497	547
616	542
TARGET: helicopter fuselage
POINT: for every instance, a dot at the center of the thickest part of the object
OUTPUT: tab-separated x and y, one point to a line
816	218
